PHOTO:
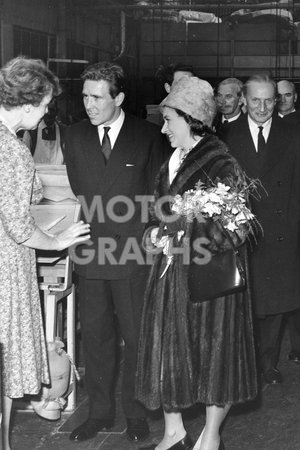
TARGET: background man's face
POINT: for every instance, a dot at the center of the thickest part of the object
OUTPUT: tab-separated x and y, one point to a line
260	101
228	100
287	97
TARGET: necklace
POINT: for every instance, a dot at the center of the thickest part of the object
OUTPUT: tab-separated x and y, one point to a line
183	154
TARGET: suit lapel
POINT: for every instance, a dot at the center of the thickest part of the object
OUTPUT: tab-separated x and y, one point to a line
274	149
92	151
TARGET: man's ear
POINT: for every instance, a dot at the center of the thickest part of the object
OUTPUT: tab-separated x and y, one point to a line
167	87
295	97
119	99
243	100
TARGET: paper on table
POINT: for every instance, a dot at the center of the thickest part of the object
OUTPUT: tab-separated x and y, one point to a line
55	182
55	222
58	217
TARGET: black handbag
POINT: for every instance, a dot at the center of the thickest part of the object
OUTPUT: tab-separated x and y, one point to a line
224	274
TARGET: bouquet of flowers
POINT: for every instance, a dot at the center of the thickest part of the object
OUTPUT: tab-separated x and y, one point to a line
220	202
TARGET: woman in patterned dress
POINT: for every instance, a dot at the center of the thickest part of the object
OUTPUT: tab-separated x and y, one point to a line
26	88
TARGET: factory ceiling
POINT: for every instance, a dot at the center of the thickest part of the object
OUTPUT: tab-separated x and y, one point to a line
169	9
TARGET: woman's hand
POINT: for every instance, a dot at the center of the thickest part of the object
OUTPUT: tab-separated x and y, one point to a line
157	242
76	233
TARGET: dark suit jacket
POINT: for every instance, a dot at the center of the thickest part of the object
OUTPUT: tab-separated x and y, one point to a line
218	125
135	160
293	117
275	260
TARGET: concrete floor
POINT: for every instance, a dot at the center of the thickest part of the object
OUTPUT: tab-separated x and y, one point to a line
272	422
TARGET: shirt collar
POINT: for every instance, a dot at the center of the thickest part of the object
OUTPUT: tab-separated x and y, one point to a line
254	126
114	125
282	115
115	128
254	130
231	119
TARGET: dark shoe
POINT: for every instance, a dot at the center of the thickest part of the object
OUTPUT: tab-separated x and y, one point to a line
90	428
272	376
221	445
185	444
294	356
137	429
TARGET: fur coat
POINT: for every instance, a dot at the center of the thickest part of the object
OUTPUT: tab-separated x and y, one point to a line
191	353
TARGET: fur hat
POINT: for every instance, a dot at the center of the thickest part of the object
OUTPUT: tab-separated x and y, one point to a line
194	97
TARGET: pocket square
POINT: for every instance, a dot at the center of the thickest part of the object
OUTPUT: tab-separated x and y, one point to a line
129	165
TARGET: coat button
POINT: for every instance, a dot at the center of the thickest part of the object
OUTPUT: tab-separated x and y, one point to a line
117	237
280	238
278	211
279	183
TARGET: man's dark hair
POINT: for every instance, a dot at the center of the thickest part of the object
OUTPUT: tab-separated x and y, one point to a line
107	71
166	74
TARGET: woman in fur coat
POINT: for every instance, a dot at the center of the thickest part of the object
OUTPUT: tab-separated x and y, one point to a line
192	352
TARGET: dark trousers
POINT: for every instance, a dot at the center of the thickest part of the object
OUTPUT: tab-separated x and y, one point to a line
268	333
101	302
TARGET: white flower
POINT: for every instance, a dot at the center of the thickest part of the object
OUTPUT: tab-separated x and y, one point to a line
244	216
222	189
231	226
220	202
211	209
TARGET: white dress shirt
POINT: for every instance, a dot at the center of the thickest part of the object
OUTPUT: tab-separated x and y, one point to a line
282	115
254	130
176	160
114	131
231	119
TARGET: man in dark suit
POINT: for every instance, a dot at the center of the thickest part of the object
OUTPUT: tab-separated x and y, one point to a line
287	97
112	159
267	147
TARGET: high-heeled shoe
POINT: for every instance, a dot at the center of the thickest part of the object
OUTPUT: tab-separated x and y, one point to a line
198	443
184	444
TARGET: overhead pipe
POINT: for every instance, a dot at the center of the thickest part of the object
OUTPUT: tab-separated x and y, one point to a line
123	34
257	6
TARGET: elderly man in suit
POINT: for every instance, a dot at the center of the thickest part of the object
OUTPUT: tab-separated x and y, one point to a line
229	102
287	97
112	159
267	147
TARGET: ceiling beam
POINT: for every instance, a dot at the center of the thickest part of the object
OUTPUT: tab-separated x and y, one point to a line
255	6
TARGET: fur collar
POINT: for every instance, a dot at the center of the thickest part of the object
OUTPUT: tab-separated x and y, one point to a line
201	163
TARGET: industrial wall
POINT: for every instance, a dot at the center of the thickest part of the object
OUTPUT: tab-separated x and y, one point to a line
68	34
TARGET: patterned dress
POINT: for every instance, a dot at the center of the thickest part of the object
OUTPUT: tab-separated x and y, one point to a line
23	351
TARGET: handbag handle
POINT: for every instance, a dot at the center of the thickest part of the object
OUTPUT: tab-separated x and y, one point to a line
235	249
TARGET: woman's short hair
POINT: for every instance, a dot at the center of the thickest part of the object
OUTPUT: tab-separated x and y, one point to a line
26	81
107	71
197	127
